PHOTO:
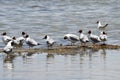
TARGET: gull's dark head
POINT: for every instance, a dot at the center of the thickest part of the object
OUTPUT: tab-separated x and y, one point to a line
26	36
23	33
12	43
104	32
45	37
80	31
4	33
89	32
97	22
65	37
14	38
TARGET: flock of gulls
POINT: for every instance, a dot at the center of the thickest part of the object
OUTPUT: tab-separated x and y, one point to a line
12	42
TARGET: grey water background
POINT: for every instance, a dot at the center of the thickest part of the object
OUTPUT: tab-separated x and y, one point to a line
57	18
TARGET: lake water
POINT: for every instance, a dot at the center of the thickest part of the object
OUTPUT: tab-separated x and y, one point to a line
57	18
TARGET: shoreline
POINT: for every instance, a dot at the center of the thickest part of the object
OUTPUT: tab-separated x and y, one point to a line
66	48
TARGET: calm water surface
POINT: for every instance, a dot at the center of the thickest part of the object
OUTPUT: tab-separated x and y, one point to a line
81	65
56	18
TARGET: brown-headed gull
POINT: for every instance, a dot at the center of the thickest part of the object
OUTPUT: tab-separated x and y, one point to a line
83	37
100	26
103	37
23	34
72	38
6	38
20	40
93	38
30	42
9	47
49	41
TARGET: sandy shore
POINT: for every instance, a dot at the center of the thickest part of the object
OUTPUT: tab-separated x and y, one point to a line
66	49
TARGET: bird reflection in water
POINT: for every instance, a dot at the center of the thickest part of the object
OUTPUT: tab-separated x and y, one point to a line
8	61
50	58
83	53
103	54
90	54
27	57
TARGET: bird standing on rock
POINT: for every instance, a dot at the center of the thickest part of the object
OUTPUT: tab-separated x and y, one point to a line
6	38
49	41
72	38
30	42
20	40
9	47
83	37
103	37
93	38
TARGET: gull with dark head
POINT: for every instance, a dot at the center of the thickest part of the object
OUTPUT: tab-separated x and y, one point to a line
30	42
9	47
100	26
72	38
6	38
23	34
17	43
83	37
103	37
20	40
49	41
93	38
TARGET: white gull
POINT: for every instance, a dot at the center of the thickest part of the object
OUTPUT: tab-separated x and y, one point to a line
72	38
9	47
49	41
5	38
83	37
93	38
100	26
103	37
30	42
